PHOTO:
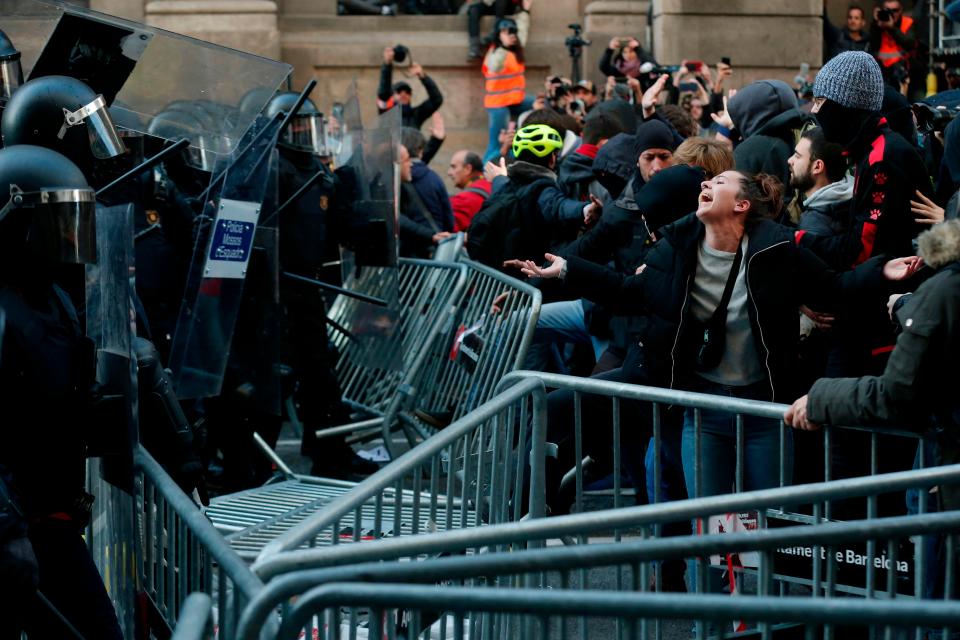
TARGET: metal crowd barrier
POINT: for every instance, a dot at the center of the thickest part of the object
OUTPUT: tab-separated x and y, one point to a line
456	477
467	613
468	358
464	476
425	295
196	618
659	399
515	551
426	290
182	553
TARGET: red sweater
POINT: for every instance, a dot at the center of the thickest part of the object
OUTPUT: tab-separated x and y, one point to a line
466	203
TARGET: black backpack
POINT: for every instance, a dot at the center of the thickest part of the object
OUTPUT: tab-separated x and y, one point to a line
510	225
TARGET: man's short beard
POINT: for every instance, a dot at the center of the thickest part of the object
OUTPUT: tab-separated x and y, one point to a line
802	183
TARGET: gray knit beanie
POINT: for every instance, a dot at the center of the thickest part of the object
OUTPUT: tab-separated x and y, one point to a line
851	79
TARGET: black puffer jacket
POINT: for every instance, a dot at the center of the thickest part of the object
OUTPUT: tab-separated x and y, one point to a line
780	277
916	389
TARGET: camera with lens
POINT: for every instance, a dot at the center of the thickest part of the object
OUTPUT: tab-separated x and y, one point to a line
400	53
931	119
884	15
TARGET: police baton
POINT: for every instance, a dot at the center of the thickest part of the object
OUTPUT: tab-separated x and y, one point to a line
149	163
329	287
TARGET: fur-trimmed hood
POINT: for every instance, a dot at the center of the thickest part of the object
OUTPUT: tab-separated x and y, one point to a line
941	245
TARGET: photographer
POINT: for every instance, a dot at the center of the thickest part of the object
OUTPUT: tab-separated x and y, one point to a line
623	58
894	43
389	94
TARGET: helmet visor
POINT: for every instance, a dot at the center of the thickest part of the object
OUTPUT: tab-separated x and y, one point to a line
202	156
104	140
66	224
307	132
11	77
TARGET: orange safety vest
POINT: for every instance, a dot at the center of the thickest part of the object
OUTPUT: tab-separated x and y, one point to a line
505	87
890	52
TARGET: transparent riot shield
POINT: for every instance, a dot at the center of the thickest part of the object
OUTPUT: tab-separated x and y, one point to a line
223	251
347	126
369	262
110	323
255	350
143	71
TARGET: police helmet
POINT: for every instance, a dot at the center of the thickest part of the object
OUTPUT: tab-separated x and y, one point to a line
49	111
307	130
47	209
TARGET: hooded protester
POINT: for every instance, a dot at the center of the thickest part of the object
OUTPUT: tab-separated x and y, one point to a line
768	117
615	164
887	170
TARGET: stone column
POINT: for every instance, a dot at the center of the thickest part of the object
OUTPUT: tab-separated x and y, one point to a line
247	25
763	38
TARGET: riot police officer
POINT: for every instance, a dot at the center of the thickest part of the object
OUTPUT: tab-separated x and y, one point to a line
309	236
46	374
65	115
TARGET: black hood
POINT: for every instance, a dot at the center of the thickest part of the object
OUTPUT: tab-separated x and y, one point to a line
615	163
576	168
760	102
783	125
896	109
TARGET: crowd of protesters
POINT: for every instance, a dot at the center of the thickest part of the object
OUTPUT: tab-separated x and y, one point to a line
761	242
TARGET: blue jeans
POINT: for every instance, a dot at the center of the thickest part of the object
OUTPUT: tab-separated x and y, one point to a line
718	445
566	321
718	449
498	119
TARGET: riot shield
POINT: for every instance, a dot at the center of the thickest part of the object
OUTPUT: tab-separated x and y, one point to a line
369	261
223	251
143	71
111	326
346	126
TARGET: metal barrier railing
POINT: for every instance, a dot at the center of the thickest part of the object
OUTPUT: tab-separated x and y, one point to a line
499	549
467	613
434	381
468	358
655	401
183	553
196	618
425	292
464	476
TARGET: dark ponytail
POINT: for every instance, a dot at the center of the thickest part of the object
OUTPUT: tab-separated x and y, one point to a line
765	193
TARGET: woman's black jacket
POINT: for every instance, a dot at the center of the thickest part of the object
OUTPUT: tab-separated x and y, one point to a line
780	277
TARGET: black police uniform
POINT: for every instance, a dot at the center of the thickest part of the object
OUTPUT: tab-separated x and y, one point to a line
45	376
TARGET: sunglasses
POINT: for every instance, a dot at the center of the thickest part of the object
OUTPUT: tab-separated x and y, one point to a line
511	30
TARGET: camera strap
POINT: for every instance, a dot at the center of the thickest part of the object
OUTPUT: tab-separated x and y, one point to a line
719	317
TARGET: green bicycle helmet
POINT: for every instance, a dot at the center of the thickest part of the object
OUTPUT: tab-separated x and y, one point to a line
539	139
